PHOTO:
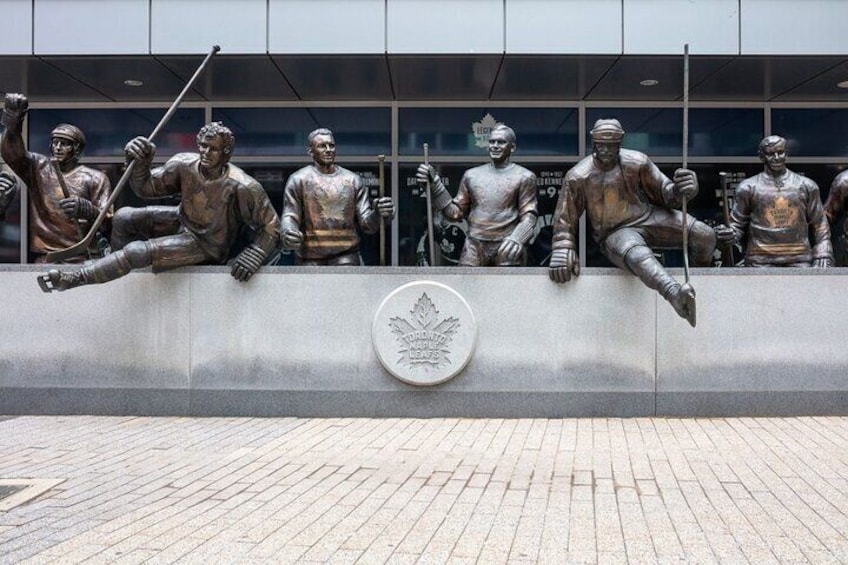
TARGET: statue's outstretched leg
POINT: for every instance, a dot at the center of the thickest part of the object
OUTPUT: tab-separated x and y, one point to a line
59	280
642	262
684	303
134	256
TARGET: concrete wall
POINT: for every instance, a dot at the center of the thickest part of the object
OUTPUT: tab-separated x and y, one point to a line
297	342
717	27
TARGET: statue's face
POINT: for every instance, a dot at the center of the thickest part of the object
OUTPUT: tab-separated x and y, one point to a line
500	147
63	150
323	150
212	153
774	158
606	153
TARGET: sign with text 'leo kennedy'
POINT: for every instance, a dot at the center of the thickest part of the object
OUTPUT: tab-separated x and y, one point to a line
424	333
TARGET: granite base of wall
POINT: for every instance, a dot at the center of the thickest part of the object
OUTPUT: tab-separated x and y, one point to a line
296	341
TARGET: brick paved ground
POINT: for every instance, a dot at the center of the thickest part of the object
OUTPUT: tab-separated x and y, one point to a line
165	490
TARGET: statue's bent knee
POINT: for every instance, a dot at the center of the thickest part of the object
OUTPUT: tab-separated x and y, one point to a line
703	243
138	254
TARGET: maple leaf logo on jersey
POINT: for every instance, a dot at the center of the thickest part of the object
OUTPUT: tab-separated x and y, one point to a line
482	129
782	214
424	341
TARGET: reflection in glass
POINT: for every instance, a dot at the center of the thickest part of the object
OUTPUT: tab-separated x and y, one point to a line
654	131
725	132
283	131
812	132
464	131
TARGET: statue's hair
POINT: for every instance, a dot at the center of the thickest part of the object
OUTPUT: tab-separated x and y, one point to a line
316	133
510	133
768	142
218	129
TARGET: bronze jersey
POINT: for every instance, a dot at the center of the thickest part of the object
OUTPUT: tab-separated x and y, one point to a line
214	210
780	217
493	200
50	230
623	196
327	209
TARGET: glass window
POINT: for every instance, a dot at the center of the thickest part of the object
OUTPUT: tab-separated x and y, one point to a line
283	131
725	132
464	131
812	132
712	131
655	131
450	237
107	131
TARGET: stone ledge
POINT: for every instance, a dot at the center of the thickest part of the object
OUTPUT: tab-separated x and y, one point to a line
296	341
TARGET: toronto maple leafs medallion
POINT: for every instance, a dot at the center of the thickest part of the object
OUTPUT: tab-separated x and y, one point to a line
425	340
424	333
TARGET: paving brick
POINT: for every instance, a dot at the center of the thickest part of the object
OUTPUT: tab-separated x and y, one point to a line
253	490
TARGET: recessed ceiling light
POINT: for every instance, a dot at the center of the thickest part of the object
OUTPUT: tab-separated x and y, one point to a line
649	82
843	84
133	82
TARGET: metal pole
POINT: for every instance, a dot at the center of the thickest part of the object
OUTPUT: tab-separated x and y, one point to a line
431	242
685	159
725	209
382	160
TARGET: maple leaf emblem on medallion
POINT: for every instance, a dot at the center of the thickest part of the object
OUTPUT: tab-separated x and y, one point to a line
482	129
424	340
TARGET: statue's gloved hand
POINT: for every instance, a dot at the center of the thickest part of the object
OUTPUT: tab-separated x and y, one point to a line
725	235
385	207
292	239
77	207
248	262
140	149
426	174
822	263
564	263
685	183
14	111
509	251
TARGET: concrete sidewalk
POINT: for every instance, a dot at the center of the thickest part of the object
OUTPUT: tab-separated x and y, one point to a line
165	490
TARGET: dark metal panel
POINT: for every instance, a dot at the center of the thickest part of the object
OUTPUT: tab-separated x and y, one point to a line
549	77
13	72
234	77
449	77
337	77
820	86
107	75
622	82
765	78
43	82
